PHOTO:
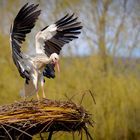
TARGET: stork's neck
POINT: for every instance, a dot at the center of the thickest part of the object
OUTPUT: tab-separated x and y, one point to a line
40	61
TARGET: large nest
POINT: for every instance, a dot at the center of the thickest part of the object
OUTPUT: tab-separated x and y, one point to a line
22	120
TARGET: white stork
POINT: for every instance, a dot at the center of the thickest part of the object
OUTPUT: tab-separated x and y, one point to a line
48	44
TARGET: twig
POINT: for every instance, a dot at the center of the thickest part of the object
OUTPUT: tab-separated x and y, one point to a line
40	134
47	126
7	132
25	131
82	98
69	98
81	136
19	130
87	133
50	135
92	96
73	136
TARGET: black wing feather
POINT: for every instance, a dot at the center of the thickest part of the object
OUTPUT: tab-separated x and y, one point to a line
49	71
67	29
22	25
67	22
62	19
68	18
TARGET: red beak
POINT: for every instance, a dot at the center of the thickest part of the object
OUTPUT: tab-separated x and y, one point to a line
57	66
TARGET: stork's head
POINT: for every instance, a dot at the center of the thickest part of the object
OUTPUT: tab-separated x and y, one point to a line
55	58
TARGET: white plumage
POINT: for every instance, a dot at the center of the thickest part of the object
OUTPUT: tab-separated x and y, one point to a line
48	44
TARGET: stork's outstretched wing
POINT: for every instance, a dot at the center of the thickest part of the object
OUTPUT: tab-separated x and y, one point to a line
22	25
52	38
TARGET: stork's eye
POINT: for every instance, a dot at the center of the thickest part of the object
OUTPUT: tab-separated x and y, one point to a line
55	58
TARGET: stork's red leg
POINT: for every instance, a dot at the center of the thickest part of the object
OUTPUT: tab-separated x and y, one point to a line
38	98
35	82
42	86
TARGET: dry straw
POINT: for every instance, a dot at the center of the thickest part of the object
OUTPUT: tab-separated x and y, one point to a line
22	120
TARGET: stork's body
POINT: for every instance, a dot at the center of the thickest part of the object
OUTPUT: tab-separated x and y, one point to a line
48	44
34	65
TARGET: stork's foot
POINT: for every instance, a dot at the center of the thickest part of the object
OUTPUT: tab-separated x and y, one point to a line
44	96
43	93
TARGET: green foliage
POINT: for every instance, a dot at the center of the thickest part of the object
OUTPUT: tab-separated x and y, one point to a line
116	112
